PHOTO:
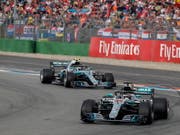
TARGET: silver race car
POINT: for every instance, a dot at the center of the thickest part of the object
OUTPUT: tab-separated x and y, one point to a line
129	104
74	74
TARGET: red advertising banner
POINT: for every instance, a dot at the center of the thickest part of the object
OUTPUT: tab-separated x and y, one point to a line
127	49
166	51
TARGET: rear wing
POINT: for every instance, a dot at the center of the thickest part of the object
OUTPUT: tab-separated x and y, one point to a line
59	64
136	90
144	91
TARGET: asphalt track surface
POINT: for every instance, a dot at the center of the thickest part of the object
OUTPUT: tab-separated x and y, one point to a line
28	107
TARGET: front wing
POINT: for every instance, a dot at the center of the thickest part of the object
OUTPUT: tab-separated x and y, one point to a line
132	118
100	84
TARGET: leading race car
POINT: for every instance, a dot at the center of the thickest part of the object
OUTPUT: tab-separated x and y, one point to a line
74	74
134	105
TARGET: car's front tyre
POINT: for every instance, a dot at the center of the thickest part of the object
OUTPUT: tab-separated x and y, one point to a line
89	106
146	111
68	79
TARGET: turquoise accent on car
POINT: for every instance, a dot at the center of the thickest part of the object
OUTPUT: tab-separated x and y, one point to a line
145	90
109	95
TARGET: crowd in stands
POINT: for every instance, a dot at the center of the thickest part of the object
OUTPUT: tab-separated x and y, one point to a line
127	14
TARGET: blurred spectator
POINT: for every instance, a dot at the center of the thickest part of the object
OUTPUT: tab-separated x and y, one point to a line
129	14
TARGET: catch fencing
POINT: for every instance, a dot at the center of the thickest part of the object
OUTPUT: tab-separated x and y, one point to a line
57	28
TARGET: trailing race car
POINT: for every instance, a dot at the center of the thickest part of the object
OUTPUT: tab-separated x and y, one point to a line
75	74
134	105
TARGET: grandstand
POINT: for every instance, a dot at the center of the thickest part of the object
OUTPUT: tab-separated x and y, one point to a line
75	15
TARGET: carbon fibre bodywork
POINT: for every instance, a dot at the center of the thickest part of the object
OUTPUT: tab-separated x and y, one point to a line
137	105
75	74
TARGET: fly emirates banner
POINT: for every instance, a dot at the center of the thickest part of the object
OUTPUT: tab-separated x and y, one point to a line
146	50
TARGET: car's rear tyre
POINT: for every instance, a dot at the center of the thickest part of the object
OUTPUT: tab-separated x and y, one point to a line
145	110
68	79
88	106
46	76
161	108
108	77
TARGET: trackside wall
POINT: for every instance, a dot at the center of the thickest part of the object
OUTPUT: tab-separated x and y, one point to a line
126	49
11	45
62	48
44	47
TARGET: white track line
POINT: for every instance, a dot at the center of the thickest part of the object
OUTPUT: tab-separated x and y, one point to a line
25	72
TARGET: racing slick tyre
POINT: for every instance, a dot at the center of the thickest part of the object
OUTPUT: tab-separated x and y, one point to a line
145	110
161	108
46	76
68	79
108	77
88	106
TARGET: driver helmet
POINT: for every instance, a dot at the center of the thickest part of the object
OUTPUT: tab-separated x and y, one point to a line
76	61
